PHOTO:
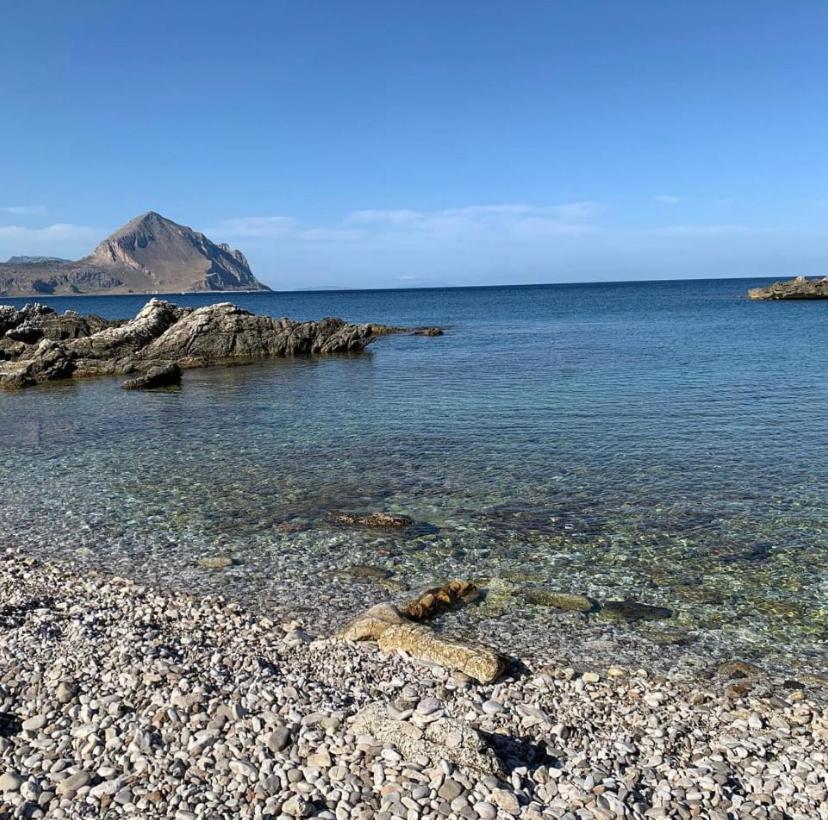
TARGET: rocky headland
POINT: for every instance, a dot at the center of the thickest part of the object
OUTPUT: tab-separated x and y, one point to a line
798	288
150	254
124	700
39	345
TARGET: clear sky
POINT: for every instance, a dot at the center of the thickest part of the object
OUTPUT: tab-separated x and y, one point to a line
362	143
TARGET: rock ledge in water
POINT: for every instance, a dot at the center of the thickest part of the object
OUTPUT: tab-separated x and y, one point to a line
167	375
799	288
39	345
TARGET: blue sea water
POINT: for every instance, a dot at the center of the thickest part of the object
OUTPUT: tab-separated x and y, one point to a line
666	441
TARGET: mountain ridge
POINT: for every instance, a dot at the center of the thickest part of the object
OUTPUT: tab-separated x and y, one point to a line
149	254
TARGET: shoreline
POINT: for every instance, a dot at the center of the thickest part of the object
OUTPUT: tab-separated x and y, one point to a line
120	698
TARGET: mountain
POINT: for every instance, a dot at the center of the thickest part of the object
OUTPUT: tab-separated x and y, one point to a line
36	260
150	254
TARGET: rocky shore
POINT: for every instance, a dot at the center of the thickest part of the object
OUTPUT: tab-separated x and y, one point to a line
798	288
39	345
123	700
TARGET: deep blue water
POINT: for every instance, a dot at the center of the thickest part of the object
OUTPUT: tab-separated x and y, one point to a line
663	440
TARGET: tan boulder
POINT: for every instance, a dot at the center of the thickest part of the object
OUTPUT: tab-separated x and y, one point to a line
371	624
480	662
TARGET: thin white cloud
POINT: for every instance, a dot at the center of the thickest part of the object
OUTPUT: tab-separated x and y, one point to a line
328	234
23	210
391	217
703	230
254	226
667	199
57	232
493	220
276	227
60	239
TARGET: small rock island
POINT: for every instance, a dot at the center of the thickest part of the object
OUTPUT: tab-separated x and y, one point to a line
799	288
39	345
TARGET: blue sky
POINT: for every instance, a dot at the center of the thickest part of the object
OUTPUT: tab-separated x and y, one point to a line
363	144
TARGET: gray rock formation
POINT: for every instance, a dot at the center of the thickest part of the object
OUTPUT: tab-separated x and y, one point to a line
150	254
799	288
37	344
443	739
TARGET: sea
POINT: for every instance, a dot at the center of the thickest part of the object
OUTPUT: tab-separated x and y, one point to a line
658	442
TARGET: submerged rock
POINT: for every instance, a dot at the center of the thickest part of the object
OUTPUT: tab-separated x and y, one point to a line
798	288
630	610
167	375
429	331
560	600
367	572
377	520
216	562
736	669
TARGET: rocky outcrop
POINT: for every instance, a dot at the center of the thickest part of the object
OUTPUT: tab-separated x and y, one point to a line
799	288
37	344
150	254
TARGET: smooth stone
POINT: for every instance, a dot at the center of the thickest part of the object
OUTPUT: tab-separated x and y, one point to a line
10	782
450	790
69	786
506	801
485	811
34	724
278	739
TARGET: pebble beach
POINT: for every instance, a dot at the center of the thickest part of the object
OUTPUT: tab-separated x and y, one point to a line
118	699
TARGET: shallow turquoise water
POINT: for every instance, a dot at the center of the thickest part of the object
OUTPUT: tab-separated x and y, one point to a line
666	441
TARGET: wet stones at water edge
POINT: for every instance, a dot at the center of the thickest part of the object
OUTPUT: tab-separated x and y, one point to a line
166	375
798	288
429	331
438	599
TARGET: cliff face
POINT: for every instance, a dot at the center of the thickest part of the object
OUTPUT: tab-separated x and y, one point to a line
150	254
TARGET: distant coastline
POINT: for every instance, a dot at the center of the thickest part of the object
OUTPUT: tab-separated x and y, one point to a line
275	291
